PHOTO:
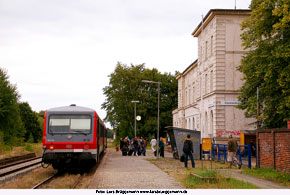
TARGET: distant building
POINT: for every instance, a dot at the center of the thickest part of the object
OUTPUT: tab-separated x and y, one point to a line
208	89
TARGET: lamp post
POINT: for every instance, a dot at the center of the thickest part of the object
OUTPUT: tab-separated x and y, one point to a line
135	115
154	82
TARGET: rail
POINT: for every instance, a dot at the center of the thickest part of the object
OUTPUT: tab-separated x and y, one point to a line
45	181
18	166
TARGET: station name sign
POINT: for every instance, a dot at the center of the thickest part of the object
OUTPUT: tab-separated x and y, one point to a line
230	103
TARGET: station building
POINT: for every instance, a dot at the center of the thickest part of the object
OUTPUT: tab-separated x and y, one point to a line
208	89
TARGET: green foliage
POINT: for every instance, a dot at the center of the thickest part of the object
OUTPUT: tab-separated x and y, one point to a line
206	172
31	124
125	86
11	126
269	174
110	133
267	64
220	182
41	119
29	148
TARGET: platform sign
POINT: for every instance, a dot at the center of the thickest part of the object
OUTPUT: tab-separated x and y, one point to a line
206	144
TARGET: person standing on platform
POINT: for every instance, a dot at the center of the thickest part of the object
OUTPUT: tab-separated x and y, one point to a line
232	150
153	145
144	146
188	151
161	147
135	144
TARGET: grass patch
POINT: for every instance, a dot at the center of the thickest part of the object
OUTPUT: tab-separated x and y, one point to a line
28	147
5	148
27	181
205	172
176	169
9	151
219	183
269	174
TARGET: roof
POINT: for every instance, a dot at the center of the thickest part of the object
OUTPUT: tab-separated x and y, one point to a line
192	64
187	69
71	109
213	12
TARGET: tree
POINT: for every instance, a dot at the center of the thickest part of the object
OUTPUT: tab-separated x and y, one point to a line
30	121
41	119
110	133
125	85
11	127
267	64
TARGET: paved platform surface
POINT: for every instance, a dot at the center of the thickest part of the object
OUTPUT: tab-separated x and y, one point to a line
130	172
261	183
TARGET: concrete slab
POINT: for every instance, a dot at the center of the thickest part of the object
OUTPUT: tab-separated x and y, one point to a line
130	172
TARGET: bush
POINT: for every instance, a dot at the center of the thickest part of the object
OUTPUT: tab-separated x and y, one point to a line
28	147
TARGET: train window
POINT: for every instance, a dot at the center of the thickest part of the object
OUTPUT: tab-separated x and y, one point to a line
70	124
83	124
102	131
59	125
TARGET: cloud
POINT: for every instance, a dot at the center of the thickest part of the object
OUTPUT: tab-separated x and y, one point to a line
60	52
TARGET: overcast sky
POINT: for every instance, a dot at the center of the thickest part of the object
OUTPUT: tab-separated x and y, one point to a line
60	52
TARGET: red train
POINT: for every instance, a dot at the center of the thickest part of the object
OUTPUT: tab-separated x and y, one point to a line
73	135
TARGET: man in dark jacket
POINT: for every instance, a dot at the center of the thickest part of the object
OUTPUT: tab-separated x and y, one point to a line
161	147
188	150
135	144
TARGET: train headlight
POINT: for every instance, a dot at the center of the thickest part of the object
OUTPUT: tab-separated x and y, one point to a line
51	147
86	147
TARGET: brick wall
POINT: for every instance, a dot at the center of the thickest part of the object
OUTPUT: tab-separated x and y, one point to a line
274	149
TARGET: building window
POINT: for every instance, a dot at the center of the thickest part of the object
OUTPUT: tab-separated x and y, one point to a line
200	80
193	93
189	98
193	123
211	81
179	99
200	53
205	50
211	122
211	45
186	98
205	84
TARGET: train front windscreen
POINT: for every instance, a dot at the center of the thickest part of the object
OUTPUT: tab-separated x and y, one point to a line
72	124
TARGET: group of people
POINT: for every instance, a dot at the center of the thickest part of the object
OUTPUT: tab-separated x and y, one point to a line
138	145
135	145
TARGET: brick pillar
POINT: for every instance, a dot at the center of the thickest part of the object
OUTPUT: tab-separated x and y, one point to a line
288	124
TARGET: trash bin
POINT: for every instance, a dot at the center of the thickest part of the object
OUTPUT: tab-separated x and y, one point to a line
177	138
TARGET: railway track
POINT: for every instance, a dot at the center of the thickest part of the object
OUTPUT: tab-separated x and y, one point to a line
77	181
65	180
18	167
47	180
